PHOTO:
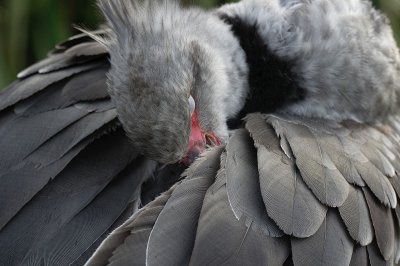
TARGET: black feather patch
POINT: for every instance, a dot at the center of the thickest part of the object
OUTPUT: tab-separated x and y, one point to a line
271	80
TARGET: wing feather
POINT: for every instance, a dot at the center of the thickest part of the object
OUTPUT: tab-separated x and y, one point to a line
329	246
316	168
85	227
79	38
45	163
243	185
129	241
87	49
288	201
229	241
375	256
27	87
33	69
355	215
23	135
171	240
360	256
378	183
86	86
70	192
382	220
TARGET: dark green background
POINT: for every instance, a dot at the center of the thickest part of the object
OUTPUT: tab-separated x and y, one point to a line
30	28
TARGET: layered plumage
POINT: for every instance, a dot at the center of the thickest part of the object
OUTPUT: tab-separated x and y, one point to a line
69	175
309	183
254	202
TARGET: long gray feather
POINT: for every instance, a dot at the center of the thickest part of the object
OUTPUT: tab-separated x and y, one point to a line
63	198
128	242
316	168
85	256
395	181
340	147
222	239
243	184
77	49
87	49
85	228
78	39
382	220
288	201
15	191
70	62
86	86
171	240
378	159
329	246
31	85
397	236
355	215
377	148
133	249
378	183
17	138
45	163
375	256
33	69
360	256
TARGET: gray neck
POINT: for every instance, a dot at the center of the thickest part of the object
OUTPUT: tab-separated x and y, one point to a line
222	76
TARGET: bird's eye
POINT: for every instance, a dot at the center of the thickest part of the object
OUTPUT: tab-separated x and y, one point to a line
192	104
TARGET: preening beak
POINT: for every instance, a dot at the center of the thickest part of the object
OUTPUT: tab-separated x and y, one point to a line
198	140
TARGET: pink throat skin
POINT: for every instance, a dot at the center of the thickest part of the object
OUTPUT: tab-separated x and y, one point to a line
198	141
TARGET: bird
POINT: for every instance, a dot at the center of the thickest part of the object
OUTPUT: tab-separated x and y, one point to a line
297	98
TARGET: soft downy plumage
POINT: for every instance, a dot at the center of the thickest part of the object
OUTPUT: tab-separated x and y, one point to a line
311	180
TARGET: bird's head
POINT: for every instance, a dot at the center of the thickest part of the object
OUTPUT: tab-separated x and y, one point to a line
152	81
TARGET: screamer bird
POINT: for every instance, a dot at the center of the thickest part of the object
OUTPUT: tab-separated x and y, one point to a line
300	98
